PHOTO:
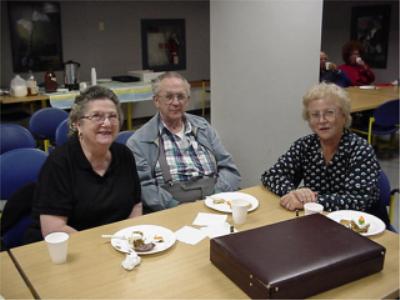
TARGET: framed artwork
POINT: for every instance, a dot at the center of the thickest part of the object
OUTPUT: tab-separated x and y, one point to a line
370	26
35	33
163	44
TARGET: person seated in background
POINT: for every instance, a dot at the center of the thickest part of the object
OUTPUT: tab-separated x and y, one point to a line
179	156
338	168
328	72
355	68
90	180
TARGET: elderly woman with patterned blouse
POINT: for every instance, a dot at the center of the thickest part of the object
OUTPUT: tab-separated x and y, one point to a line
338	168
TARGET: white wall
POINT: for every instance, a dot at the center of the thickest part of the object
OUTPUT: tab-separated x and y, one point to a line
336	32
263	59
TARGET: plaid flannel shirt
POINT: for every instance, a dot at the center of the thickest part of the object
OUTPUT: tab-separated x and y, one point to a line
185	157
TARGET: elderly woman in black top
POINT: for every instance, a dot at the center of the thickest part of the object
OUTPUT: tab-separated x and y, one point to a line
338	168
90	180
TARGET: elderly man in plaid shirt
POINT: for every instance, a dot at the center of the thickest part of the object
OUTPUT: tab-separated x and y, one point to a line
179	156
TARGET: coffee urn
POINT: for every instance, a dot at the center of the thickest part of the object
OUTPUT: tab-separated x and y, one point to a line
71	75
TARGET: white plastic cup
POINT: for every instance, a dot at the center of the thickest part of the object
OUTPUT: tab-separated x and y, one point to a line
312	208
57	243
239	211
328	65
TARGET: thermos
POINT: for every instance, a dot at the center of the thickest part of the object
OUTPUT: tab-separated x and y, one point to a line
71	75
93	76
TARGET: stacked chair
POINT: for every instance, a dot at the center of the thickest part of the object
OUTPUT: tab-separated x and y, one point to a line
19	170
14	136
123	136
44	122
62	133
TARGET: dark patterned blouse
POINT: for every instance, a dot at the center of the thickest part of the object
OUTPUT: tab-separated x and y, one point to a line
348	181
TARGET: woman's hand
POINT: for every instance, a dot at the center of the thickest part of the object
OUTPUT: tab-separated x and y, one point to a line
50	223
296	198
137	210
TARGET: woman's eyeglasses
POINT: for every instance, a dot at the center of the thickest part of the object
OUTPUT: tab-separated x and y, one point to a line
329	115
99	118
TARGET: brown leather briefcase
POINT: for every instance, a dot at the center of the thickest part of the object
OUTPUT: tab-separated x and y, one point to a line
296	258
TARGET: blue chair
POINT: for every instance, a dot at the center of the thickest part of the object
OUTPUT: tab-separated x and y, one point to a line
19	168
386	200
44	122
14	136
62	133
384	120
123	136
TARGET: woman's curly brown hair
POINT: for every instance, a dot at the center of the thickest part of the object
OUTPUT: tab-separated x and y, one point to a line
349	47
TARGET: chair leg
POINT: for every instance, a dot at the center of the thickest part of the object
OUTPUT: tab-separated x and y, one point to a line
46	145
370	123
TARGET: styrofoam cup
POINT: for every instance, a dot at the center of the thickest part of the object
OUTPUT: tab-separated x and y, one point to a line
239	211
57	243
313	208
327	65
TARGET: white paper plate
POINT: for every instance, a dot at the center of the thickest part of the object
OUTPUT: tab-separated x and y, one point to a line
367	87
149	231
224	207
376	225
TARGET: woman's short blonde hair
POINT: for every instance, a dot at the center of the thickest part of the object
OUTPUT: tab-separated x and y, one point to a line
328	91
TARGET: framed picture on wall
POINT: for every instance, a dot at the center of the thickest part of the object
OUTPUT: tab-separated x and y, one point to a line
35	33
163	44
370	25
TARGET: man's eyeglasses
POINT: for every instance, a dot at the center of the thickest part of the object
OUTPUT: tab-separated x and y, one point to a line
329	115
100	118
169	97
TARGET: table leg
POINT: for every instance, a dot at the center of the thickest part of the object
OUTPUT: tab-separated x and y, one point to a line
43	103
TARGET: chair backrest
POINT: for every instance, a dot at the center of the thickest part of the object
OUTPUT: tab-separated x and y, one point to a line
62	133
123	136
44	122
14	136
19	167
387	114
379	209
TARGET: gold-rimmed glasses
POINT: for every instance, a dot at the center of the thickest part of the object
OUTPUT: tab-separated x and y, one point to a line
328	115
100	118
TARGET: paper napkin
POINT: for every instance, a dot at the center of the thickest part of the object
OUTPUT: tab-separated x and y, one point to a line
216	230
189	235
206	219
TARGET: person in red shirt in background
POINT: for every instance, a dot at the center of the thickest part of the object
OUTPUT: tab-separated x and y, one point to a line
355	68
